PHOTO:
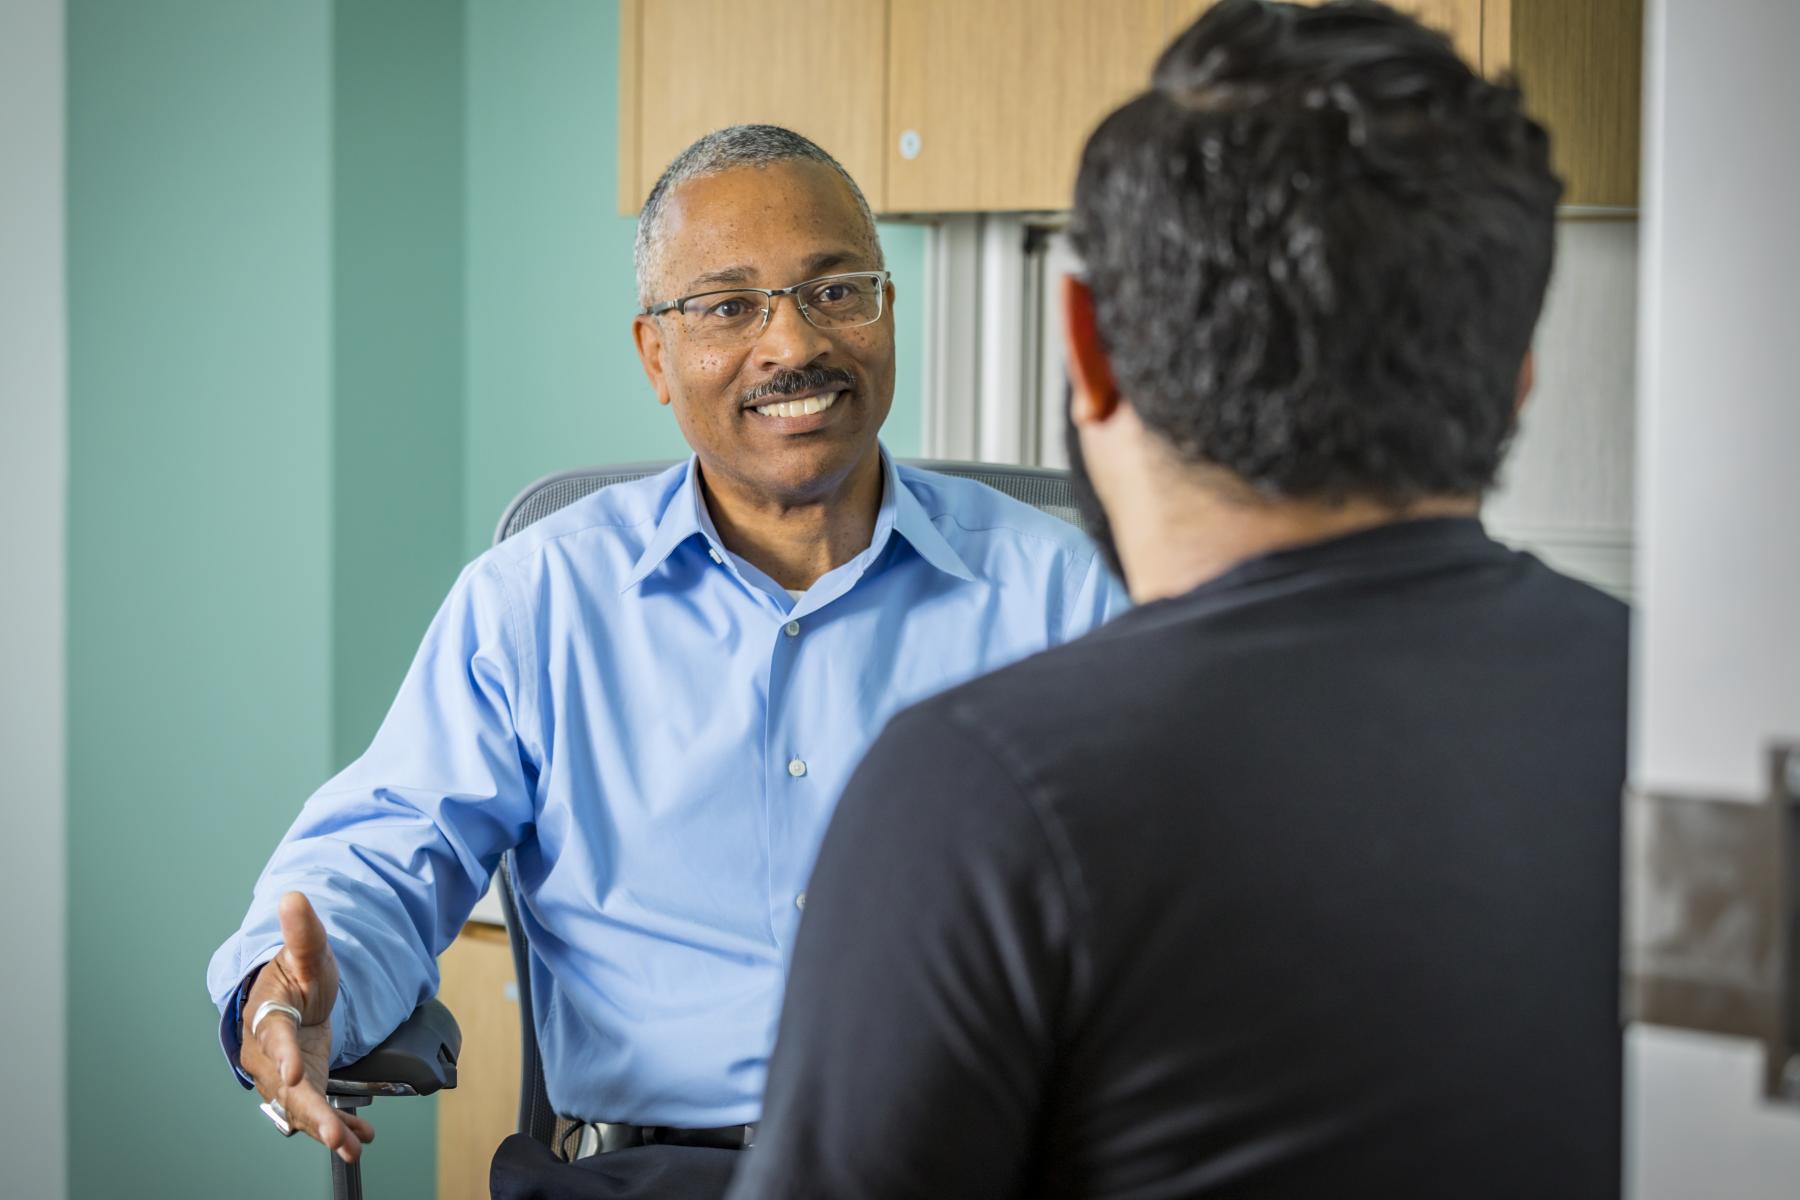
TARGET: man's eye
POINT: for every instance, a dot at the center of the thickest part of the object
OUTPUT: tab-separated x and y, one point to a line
840	295
728	309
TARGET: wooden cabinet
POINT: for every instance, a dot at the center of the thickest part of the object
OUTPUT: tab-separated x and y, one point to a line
686	67
989	104
1579	62
476	976
983	105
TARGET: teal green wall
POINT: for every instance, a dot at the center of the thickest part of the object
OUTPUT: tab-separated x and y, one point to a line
344	275
553	380
397	326
265	239
199	174
905	249
397	395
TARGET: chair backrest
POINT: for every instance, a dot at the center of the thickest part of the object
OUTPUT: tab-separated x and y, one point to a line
1042	488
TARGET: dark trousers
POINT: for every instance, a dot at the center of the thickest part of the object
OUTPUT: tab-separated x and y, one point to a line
526	1170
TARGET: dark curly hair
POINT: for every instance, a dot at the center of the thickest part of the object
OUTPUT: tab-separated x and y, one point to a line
1318	246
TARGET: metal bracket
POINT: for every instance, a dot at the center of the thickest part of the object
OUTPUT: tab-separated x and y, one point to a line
1712	917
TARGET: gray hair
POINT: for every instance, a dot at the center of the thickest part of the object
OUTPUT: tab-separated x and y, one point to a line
721	150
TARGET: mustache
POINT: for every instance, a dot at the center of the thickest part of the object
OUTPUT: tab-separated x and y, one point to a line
793	383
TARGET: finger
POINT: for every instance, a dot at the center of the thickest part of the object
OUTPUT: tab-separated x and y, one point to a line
277	1042
309	1112
364	1131
303	936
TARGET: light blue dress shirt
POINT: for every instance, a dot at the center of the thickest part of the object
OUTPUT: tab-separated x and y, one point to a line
662	732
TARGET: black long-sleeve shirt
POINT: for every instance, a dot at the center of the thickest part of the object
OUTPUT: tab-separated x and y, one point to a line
1302	884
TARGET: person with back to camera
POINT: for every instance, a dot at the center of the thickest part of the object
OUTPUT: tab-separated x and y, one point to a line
1301	879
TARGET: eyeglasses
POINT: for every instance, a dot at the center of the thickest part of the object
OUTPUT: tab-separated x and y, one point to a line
828	302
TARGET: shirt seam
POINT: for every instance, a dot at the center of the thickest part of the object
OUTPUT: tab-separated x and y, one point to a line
526	659
547	539
1060	543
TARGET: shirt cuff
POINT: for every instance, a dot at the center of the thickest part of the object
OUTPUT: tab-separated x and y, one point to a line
231	1020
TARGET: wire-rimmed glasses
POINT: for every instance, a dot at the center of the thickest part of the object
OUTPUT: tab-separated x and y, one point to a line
833	302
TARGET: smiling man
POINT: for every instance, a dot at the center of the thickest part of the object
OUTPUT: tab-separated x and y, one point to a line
655	696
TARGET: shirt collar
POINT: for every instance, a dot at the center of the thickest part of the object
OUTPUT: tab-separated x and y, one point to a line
913	523
685	516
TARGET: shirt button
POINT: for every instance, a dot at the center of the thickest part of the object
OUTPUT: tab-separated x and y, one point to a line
796	768
714	555
800	902
793	629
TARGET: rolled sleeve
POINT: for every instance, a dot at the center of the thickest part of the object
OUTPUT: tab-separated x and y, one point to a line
394	852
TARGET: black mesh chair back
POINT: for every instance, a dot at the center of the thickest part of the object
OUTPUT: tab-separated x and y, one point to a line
1044	489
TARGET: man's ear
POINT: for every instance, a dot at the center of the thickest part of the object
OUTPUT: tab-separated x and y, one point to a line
1527	377
1095	396
648	336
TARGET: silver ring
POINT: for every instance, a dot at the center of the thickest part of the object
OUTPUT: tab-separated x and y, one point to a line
276	1113
275	1006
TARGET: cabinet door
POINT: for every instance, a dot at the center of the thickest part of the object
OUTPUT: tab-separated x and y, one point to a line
989	103
476	982
1580	63
1461	19
687	67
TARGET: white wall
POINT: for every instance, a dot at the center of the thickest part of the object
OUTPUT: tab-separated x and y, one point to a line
1719	656
1717	664
33	472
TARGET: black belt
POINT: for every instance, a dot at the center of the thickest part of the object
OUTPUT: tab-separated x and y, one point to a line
584	1139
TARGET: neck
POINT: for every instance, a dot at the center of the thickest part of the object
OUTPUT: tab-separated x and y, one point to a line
1177	534
795	541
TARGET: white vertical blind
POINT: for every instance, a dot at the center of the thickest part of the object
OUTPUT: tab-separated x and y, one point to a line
1566	488
984	339
950	425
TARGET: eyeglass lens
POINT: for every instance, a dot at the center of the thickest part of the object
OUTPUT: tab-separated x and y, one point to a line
835	302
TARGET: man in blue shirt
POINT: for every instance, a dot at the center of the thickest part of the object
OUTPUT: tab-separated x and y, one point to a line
656	694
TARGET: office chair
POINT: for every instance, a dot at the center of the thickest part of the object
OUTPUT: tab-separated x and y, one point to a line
1043	489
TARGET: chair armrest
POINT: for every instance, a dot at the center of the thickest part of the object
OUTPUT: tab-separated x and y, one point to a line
417	1059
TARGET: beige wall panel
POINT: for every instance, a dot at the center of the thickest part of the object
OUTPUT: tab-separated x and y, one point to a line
1002	95
475	1117
815	66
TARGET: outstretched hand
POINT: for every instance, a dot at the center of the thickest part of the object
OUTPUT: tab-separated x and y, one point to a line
290	1064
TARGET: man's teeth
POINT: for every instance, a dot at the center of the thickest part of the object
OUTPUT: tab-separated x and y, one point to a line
803	407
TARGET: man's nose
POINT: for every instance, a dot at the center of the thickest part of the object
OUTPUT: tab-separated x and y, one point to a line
789	339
